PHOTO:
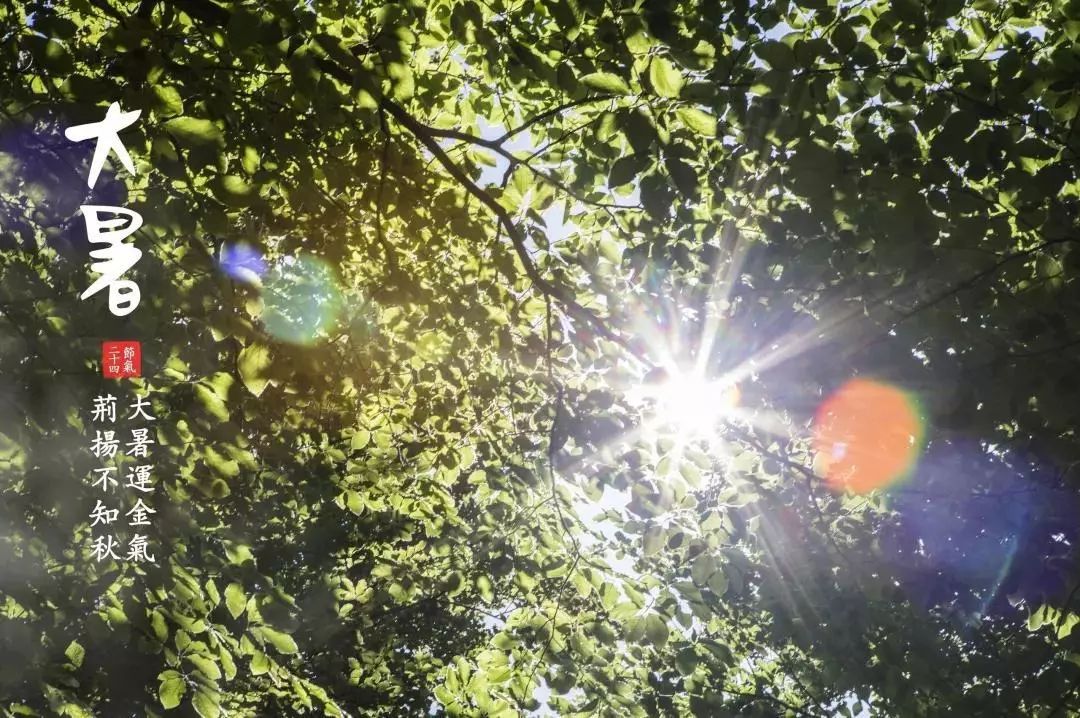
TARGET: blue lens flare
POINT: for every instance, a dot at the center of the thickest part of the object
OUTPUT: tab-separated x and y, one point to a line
243	262
301	300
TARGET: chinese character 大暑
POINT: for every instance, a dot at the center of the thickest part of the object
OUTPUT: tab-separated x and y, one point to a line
116	257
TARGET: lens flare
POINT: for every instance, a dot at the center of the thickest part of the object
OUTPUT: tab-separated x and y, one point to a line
692	404
301	300
866	436
242	262
981	530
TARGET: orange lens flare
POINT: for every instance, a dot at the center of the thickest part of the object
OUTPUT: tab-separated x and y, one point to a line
866	436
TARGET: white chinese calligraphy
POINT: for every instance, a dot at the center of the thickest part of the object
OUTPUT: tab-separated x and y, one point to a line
103	515
138	478
107	134
140	440
137	550
139	514
105	478
139	408
104	408
115	257
105	444
103	548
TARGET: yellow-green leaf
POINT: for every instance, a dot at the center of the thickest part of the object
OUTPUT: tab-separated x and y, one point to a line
206	705
251	363
360	439
193	132
283	642
168	101
235	600
606	82
207	666
170	689
665	77
697	120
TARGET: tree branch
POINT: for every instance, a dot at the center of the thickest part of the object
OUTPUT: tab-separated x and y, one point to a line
547	114
570	305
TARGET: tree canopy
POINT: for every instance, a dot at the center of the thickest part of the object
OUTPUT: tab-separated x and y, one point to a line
437	296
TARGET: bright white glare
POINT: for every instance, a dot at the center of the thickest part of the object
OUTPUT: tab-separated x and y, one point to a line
691	404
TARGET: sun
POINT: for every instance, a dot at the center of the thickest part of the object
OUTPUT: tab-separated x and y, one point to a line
691	404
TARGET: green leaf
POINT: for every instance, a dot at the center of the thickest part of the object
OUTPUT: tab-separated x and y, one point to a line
250	160
483	585
260	663
702	569
157	623
212	592
1067	625
354	502
402	81
235	600
227	468
718	583
626	169
683	175
243	28
283	642
656	630
227	663
1047	267
686	660
607	82
455	584
653	540
205	704
639	130
690	473
252	360
778	55
207	666
75	653
211	402
193	132
234	191
360	439
168	102
611	250
170	689
959	126
1037	619
697	120
844	38
665	77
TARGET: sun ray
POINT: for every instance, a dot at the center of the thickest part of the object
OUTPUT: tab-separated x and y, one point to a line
719	297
